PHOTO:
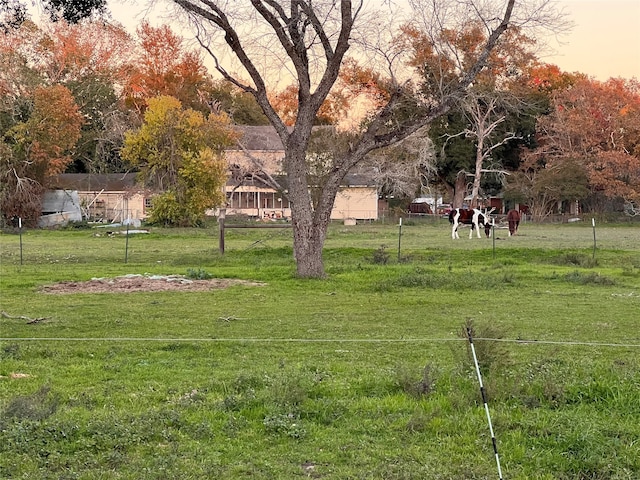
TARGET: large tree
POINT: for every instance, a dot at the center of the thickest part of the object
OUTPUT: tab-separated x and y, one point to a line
312	39
91	59
489	118
180	154
36	149
597	124
163	65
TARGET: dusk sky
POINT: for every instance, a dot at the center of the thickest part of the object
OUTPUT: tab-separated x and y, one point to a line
604	42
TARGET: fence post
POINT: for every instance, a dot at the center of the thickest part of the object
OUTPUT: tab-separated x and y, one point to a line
399	237
484	401
493	236
593	223
126	244
221	216
20	230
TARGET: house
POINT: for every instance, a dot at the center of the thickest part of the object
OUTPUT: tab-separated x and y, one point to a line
258	159
255	165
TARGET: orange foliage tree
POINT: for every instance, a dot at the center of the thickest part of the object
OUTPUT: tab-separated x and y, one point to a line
486	120
598	123
61	52
91	59
37	149
163	66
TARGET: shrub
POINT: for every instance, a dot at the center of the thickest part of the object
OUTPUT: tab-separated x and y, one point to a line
380	256
198	274
416	387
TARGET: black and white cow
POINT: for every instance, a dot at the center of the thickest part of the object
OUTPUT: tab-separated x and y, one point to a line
475	218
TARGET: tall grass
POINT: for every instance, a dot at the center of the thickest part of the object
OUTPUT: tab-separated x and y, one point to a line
364	375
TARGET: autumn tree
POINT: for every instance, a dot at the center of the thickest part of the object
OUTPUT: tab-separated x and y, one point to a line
90	59
179	154
310	41
354	83
488	120
164	66
36	149
597	124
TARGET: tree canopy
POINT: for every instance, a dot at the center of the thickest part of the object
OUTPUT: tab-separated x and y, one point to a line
179	154
37	149
597	124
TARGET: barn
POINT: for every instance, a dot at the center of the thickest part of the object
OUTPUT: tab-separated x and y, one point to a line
112	197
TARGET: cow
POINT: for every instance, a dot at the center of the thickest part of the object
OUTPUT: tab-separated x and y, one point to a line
513	217
475	218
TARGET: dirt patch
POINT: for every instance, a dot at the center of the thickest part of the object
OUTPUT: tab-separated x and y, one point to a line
143	283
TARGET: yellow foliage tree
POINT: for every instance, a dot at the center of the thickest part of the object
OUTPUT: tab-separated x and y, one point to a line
180	154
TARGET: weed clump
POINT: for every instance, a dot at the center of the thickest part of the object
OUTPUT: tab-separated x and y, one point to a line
11	350
380	256
286	424
576	259
491	354
198	274
421	387
588	279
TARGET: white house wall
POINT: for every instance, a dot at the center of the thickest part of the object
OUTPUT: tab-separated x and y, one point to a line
360	203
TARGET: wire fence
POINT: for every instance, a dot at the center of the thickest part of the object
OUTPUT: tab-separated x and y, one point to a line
572	343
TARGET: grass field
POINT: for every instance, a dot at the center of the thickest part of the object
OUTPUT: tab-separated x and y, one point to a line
364	375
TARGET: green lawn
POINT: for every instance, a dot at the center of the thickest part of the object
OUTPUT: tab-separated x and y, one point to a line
364	375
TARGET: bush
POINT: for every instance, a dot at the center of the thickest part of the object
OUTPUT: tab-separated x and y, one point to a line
198	274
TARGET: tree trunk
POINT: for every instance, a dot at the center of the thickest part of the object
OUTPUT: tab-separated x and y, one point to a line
475	192
309	224
308	242
460	189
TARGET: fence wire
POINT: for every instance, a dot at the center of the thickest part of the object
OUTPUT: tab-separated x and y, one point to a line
317	340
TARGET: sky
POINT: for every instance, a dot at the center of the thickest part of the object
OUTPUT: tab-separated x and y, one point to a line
605	39
603	43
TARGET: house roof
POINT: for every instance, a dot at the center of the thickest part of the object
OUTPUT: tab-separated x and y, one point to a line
358	180
263	137
255	138
91	182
